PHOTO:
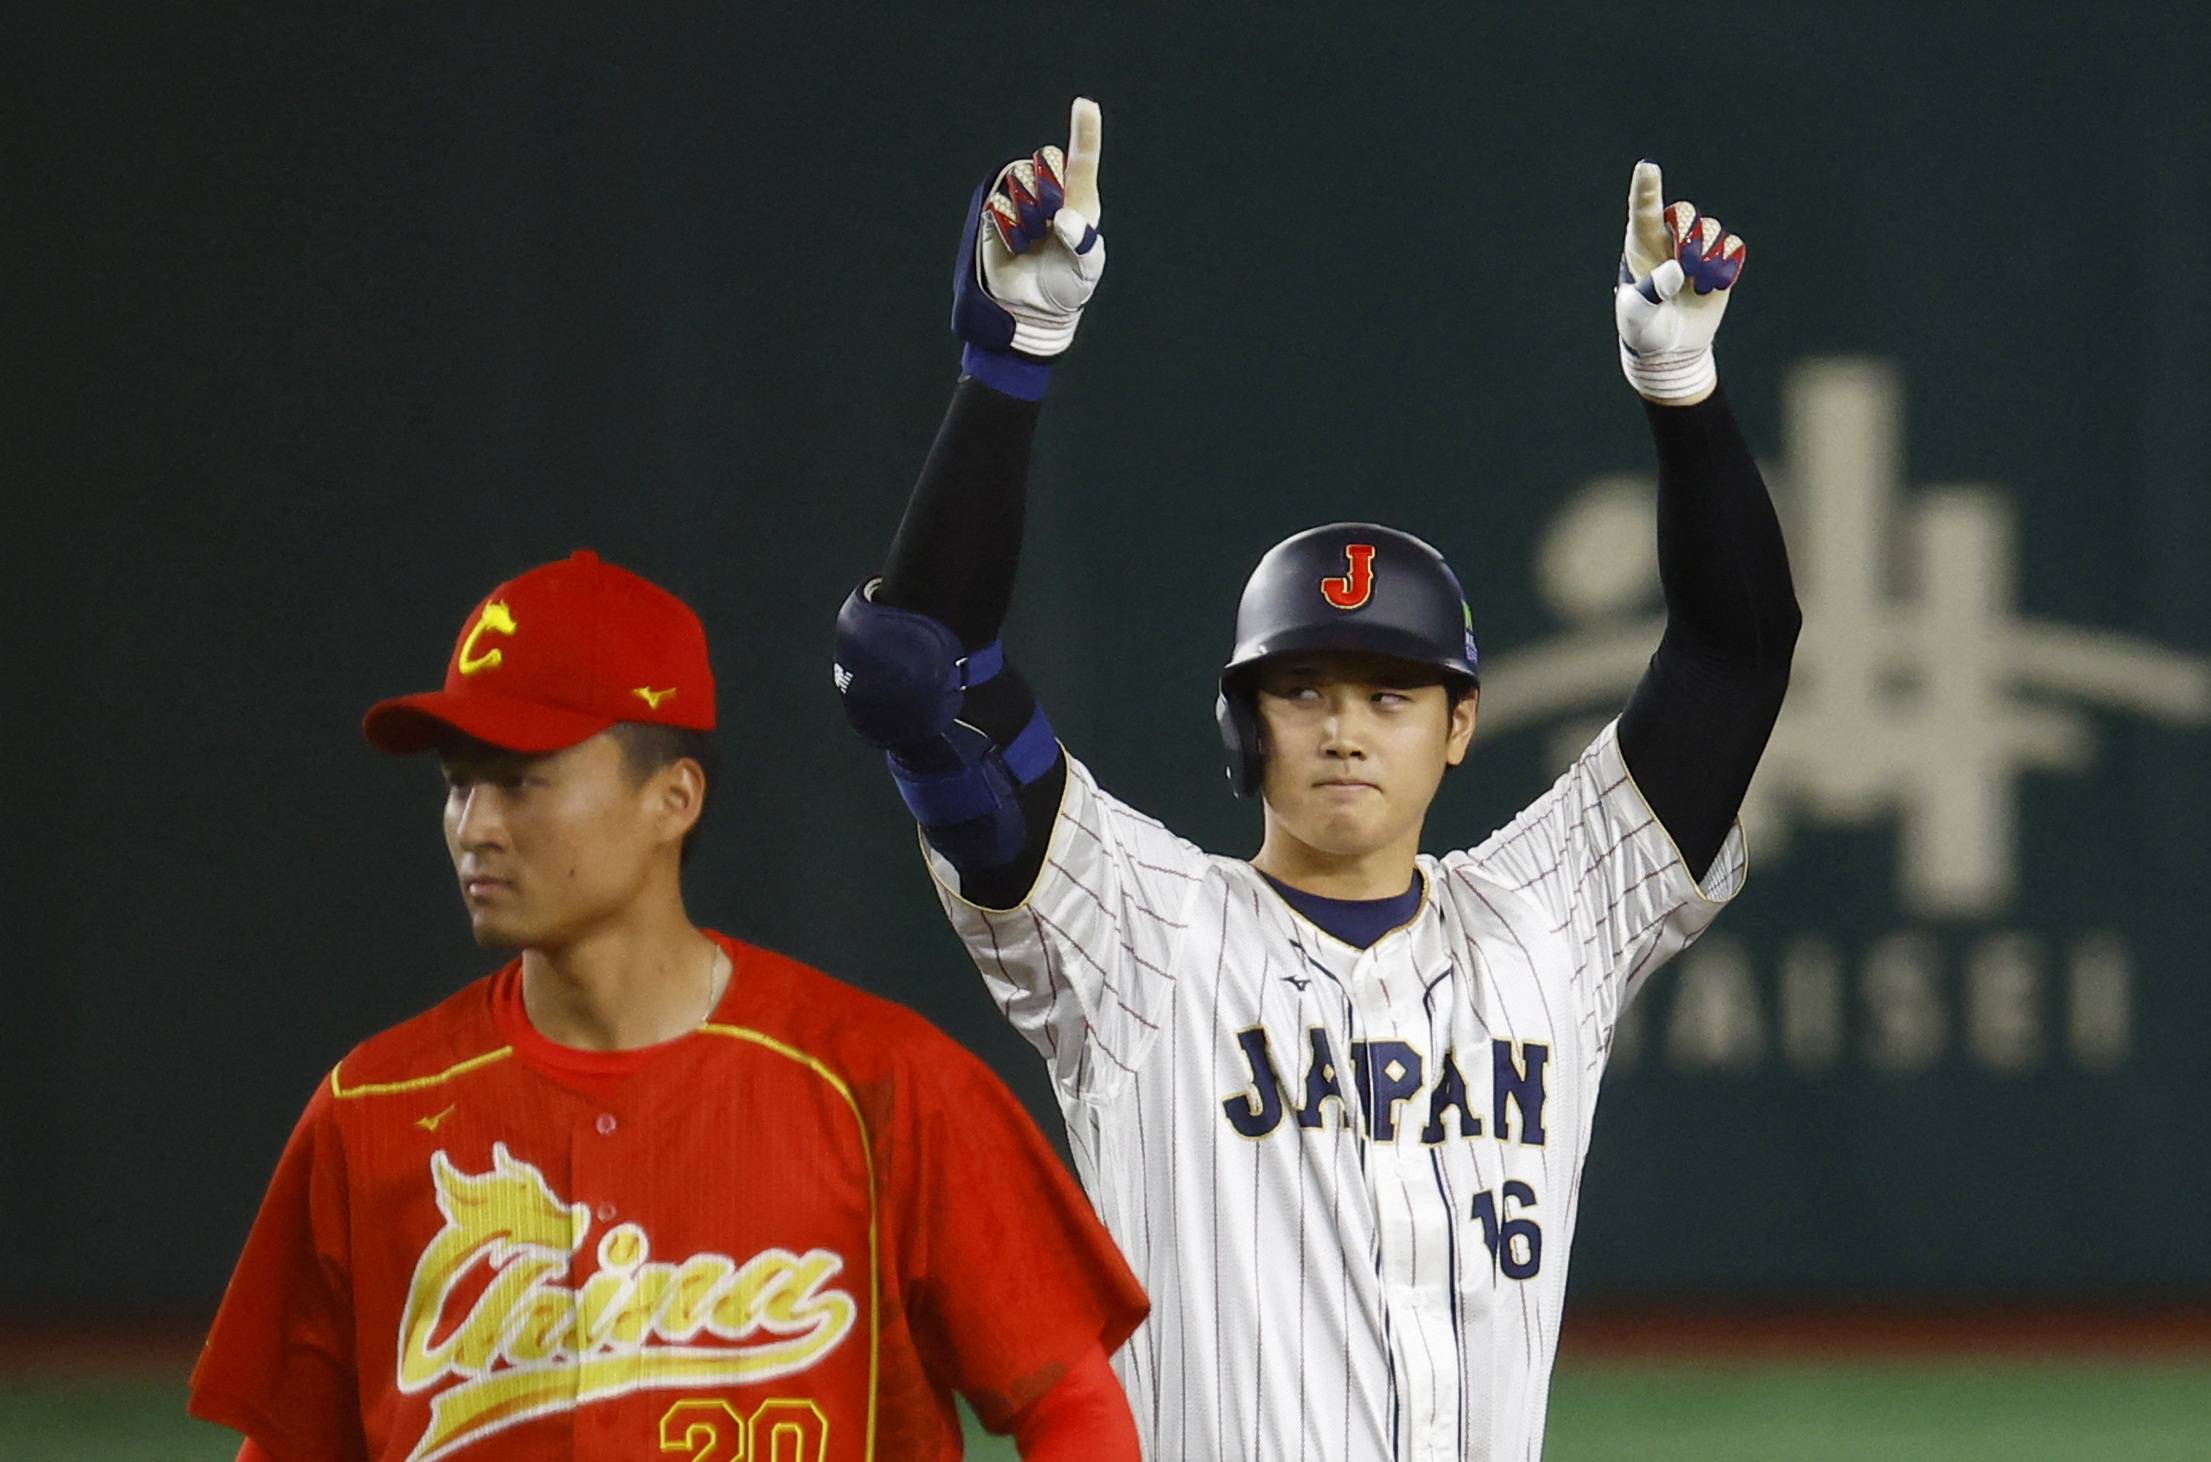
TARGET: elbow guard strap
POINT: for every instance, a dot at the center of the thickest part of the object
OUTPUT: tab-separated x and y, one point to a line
965	777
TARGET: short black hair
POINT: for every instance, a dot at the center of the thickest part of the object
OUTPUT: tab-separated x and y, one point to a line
648	748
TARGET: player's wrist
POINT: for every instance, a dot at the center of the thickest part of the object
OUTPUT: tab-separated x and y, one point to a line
1044	336
1671	377
1008	372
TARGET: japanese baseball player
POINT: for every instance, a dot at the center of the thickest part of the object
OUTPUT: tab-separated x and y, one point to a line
648	1191
1333	1099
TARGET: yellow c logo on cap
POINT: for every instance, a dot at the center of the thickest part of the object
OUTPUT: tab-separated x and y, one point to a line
495	620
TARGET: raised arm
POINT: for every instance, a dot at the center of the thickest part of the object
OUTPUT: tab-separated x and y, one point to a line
919	664
1699	719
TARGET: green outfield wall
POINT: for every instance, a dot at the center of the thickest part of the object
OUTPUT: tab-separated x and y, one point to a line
317	324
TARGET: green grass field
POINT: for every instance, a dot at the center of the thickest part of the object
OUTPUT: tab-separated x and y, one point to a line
1915	1410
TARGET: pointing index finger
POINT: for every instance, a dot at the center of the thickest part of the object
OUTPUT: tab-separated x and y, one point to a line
1085	140
1648	243
1646	197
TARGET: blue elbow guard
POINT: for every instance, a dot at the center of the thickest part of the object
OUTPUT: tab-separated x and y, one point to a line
901	676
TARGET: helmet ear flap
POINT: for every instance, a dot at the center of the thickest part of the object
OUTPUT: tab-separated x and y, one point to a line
1238	718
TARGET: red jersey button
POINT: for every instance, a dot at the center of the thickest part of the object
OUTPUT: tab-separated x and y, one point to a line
606	1124
606	1212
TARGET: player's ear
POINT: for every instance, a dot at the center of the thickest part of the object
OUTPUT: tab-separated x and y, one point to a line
1465	711
677	797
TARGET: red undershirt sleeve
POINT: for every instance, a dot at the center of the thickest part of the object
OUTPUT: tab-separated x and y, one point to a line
1084	1418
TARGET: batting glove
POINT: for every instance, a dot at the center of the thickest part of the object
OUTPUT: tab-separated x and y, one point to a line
1030	251
1676	274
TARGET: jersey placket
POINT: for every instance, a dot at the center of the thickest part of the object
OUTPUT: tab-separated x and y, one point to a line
602	1153
1412	1216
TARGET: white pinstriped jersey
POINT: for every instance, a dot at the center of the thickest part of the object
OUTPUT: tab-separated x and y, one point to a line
1348	1178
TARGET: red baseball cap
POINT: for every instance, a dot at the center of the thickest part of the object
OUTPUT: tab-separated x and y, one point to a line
556	656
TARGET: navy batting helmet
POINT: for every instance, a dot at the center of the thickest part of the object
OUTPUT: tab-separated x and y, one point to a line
1345	586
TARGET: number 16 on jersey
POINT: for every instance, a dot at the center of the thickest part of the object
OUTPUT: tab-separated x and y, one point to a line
1515	1241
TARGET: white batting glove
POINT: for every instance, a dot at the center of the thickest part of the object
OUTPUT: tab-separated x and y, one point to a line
1039	255
1676	275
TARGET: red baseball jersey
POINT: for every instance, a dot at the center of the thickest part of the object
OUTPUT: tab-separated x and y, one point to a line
787	1236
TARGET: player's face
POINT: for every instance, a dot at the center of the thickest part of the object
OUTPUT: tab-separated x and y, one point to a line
549	848
1356	746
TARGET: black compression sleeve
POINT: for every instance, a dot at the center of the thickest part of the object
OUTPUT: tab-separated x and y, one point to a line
954	559
960	541
1698	721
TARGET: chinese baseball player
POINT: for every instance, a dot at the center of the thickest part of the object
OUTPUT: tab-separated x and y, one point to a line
648	1190
1332	1099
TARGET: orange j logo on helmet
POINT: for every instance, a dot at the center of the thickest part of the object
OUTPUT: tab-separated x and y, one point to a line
1350	590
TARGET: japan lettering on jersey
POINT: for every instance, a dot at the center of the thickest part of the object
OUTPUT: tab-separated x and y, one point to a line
782	1235
1347	1177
